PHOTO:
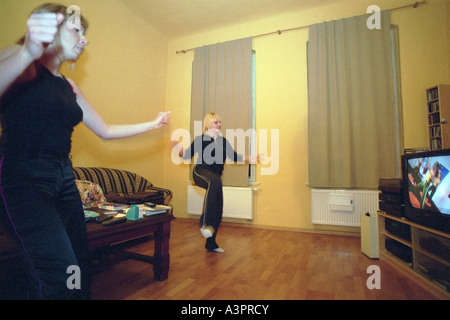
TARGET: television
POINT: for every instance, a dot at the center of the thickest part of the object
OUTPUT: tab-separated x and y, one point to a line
426	187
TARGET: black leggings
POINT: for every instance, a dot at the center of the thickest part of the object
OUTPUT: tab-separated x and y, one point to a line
41	206
213	202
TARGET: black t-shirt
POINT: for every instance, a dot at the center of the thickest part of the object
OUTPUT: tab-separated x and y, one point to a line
212	153
38	117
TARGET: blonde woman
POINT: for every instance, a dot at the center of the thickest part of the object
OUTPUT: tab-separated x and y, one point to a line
212	149
38	110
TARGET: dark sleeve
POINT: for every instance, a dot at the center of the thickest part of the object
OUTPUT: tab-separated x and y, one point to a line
195	146
231	154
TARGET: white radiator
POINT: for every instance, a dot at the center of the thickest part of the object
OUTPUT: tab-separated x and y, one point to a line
237	202
342	207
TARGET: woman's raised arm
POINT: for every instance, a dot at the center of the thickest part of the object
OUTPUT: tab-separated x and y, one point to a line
15	60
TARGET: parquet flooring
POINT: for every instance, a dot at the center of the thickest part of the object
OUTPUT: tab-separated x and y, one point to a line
258	264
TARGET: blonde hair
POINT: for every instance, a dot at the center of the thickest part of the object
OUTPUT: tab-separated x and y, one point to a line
210	118
57	8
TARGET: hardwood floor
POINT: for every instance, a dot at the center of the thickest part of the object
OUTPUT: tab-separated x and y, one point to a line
257	264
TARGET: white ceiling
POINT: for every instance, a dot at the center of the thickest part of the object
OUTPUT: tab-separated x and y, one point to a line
180	17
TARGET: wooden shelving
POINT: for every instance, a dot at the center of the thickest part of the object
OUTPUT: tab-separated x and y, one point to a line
429	259
438	110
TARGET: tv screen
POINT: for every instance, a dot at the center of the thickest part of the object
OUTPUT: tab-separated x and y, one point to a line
427	188
429	183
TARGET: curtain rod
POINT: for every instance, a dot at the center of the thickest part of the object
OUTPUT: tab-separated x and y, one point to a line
414	5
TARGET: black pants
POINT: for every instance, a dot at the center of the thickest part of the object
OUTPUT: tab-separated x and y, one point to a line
213	203
42	208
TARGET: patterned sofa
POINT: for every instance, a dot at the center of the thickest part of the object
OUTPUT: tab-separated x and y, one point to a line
99	184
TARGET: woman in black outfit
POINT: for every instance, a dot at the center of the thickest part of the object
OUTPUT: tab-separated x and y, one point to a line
213	149
39	108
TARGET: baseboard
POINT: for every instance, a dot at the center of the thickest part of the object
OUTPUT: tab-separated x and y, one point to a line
300	230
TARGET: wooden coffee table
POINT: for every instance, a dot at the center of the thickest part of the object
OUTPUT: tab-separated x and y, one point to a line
100	236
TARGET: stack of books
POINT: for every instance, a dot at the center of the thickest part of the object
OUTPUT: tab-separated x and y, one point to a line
150	211
113	206
144	210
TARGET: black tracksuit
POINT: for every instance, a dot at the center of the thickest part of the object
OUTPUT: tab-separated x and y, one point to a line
207	174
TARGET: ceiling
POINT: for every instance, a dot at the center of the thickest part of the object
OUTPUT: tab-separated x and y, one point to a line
175	18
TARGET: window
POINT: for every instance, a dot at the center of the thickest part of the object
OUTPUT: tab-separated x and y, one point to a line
253	142
222	83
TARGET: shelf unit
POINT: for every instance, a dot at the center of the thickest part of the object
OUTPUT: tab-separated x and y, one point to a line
429	248
438	110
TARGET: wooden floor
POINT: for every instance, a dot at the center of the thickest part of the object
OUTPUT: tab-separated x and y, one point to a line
257	264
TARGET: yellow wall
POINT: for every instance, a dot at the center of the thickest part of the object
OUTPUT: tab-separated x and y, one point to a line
425	62
283	200
129	72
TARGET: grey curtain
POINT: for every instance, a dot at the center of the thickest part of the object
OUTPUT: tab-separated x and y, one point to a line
352	123
222	83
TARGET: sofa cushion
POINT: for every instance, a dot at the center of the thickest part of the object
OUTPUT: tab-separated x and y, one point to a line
122	183
115	180
91	194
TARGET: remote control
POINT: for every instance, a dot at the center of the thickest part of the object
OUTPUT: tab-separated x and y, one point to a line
149	204
102	218
114	221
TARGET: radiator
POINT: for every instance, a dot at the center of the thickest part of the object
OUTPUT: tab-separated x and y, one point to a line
237	202
342	207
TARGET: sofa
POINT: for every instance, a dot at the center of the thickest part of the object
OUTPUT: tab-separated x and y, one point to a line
98	184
